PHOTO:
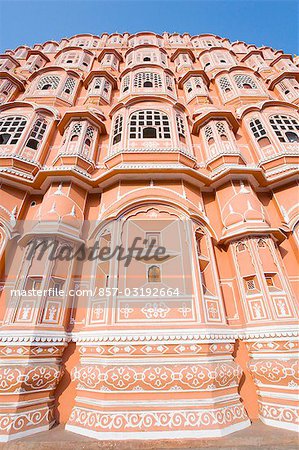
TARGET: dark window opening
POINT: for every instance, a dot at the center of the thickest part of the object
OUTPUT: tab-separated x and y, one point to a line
32	143
247	86
149	132
146	58
292	137
147	84
116	138
4	138
46	87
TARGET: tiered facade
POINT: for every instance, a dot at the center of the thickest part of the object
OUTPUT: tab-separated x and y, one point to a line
98	132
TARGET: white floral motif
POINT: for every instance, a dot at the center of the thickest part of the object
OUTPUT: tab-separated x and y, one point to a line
155	310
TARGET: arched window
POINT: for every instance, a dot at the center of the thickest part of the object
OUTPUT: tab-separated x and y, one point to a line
48	82
259	132
117	130
286	128
97	84
11	129
87	141
169	83
149	124
37	134
188	86
74	135
181	128
69	86
220	127
245	82
147	79
225	85
6	87
209	136
70	58
154	274
126	83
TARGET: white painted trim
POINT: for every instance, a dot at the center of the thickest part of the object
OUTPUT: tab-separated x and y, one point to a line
204	401
159	360
10	437
280	424
280	395
180	434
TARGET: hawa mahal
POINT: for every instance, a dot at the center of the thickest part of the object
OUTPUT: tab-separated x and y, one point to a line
187	141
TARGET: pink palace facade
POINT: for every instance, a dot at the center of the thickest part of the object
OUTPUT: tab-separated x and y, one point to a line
99	132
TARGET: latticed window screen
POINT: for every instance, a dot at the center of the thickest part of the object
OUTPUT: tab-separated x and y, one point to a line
180	126
250	284
189	86
197	83
169	83
130	58
69	86
106	88
90	132
147	79
126	83
257	129
225	84
11	129
208	43
48	82
117	131
6	86
286	128
149	124
37	133
220	127
70	58
208	133
245	80
97	84
282	86
76	129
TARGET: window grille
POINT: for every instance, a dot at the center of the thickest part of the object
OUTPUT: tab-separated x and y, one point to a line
11	129
286	128
225	85
37	134
97	84
48	82
147	79
149	124
117	131
250	284
6	87
209	134
180	126
221	129
169	83
245	80
69	86
257	129
126	83
90	132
